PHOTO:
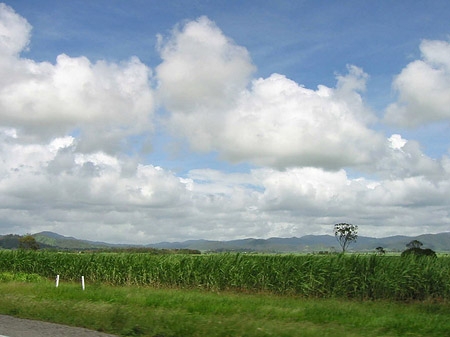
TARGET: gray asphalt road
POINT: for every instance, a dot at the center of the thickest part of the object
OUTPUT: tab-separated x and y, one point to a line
18	327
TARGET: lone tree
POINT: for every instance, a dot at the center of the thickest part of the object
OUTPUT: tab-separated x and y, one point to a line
28	242
380	250
414	244
345	234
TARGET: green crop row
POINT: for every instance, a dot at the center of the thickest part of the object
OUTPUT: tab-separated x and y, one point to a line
350	276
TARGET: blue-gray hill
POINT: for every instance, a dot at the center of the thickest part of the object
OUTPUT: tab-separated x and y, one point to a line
309	243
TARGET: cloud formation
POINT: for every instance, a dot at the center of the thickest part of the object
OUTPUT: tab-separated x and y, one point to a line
53	187
423	88
103	102
275	122
62	125
201	68
14	31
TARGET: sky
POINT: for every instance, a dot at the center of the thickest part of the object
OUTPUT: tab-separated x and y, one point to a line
148	121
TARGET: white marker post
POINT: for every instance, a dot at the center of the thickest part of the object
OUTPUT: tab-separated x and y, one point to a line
57	281
82	282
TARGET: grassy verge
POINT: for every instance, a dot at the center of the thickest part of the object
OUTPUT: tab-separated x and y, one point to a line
139	311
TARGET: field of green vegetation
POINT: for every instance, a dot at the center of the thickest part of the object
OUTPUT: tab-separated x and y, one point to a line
334	276
147	311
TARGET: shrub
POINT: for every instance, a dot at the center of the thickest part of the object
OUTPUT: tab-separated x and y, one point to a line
416	251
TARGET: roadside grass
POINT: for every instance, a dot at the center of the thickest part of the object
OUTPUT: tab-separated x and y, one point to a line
145	311
21	277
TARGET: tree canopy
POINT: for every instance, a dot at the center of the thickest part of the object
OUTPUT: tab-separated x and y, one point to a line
28	242
345	234
414	248
380	250
414	244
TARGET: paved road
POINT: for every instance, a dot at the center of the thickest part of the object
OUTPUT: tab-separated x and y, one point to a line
18	327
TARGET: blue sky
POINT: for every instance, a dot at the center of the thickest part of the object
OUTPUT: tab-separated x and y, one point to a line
258	118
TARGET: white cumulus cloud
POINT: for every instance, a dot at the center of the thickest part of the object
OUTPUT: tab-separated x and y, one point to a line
14	32
99	196
423	88
103	102
275	122
201	68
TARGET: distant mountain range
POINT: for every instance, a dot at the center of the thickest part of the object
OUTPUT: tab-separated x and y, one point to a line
68	242
309	243
313	243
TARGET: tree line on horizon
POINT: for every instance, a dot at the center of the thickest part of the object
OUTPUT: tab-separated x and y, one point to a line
348	233
344	233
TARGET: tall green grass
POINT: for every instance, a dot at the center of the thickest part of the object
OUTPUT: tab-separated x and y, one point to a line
345	276
146	311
